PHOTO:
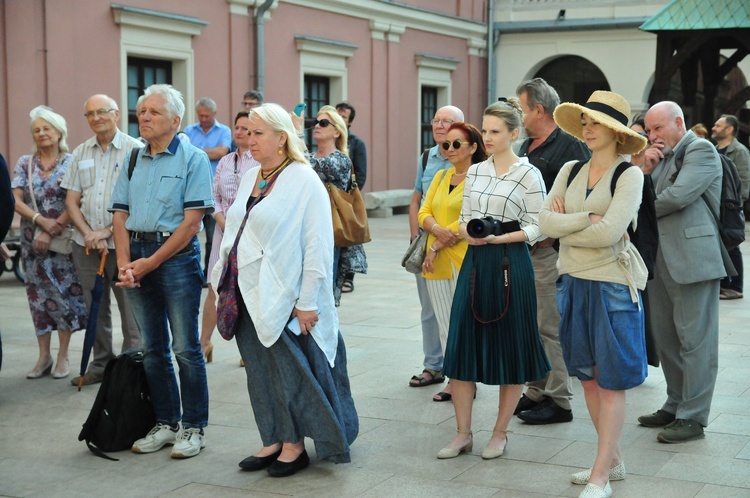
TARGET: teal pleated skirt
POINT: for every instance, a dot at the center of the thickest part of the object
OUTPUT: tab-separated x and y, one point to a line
493	336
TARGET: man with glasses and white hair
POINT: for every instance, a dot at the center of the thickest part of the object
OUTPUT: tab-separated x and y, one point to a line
157	217
215	139
430	162
89	180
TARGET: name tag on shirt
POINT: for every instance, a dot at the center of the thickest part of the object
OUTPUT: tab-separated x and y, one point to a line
86	164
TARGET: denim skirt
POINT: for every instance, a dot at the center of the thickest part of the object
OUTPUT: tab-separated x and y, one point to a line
493	336
600	327
295	393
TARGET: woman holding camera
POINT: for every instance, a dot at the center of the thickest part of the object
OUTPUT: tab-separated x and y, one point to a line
493	336
439	216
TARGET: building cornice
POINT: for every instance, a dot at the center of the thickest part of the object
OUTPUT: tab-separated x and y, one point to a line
155	20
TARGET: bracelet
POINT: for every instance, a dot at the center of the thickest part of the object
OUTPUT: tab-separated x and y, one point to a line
432	230
111	228
33	218
432	248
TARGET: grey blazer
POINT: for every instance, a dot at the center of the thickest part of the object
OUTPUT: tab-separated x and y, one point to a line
688	235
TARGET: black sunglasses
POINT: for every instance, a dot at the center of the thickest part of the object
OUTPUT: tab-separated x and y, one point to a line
456	144
322	122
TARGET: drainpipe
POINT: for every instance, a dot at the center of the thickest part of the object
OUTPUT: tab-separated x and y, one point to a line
491	76
260	48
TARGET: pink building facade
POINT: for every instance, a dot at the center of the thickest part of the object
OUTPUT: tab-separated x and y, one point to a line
394	62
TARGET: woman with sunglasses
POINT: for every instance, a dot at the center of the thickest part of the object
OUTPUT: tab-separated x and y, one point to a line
331	162
229	172
493	336
439	216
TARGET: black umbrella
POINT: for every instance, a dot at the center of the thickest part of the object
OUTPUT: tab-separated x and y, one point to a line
88	339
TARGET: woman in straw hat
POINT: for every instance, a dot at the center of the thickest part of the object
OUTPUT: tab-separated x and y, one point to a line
602	274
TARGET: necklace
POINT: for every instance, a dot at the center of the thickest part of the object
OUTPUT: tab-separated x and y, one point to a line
459	174
51	167
265	178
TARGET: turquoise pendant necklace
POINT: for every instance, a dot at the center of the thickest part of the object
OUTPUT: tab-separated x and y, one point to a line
264	179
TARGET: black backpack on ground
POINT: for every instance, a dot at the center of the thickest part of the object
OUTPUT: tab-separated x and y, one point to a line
645	237
122	411
731	219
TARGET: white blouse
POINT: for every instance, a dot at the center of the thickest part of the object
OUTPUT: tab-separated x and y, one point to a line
515	196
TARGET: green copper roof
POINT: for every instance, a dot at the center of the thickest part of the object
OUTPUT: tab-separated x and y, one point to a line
700	14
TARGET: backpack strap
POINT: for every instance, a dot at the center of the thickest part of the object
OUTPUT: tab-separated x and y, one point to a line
425	157
133	160
616	176
574	171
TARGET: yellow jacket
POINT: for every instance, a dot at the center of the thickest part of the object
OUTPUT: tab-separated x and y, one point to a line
445	208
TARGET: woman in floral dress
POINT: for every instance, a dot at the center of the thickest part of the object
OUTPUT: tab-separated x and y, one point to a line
54	291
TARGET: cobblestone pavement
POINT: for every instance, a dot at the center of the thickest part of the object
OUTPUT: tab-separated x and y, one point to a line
402	429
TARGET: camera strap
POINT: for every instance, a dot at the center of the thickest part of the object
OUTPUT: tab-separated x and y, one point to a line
505	275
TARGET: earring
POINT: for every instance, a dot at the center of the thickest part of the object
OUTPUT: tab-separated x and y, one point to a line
281	152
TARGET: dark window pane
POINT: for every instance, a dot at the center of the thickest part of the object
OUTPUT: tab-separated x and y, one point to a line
429	108
143	73
317	94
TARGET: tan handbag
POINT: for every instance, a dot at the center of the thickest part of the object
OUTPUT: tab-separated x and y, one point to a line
63	243
349	216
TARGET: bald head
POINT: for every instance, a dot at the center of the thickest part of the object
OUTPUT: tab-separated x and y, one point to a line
665	123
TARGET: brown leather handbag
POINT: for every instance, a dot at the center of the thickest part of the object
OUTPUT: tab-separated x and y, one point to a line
349	215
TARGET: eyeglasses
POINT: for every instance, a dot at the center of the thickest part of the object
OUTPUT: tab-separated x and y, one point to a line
456	144
444	122
98	112
322	122
251	103
643	135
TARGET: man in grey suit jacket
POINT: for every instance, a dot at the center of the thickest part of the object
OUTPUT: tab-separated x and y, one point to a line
683	296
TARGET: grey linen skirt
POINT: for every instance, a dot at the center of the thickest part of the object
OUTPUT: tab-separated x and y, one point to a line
295	393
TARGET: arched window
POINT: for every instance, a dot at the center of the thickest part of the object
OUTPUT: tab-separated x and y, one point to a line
574	78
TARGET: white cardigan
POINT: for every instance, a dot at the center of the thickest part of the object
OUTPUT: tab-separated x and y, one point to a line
285	255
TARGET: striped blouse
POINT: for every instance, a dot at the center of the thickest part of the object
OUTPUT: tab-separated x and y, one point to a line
229	173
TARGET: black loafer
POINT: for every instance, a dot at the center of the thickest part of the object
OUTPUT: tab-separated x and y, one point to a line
525	403
253	463
547	412
285	469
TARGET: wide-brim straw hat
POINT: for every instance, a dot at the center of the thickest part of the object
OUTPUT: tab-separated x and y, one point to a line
607	108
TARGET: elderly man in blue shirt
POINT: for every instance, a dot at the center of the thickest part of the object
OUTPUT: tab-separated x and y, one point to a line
215	139
157	215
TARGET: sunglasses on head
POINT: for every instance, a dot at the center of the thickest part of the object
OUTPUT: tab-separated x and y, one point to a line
456	144
322	122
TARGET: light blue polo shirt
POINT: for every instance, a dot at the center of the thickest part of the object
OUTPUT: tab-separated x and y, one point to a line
217	135
435	163
163	187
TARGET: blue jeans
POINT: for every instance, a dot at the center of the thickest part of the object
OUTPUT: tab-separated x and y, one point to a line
169	299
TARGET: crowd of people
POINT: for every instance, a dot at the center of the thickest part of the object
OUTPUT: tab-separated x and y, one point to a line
530	277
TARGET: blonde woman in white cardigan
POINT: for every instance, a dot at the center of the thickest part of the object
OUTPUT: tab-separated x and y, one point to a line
602	274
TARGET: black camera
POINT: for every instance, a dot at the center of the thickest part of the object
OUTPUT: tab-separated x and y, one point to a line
479	228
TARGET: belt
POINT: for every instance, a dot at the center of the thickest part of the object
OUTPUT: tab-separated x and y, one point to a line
150	236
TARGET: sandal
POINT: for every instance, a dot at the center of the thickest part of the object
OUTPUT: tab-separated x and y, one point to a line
728	294
420	380
347	286
442	396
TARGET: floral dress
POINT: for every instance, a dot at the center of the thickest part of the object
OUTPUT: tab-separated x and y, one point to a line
52	286
337	169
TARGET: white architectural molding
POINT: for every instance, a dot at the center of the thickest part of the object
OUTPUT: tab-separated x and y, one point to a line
380	13
158	35
321	57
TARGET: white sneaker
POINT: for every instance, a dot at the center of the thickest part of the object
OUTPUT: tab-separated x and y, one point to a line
190	443
155	440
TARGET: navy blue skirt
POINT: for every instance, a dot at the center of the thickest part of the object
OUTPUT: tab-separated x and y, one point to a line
493	336
600	326
295	393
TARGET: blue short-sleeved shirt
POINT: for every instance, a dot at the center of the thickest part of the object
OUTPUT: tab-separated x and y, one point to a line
435	163
163	187
217	136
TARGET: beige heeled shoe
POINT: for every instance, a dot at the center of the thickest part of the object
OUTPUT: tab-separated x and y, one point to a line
45	370
490	453
446	453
